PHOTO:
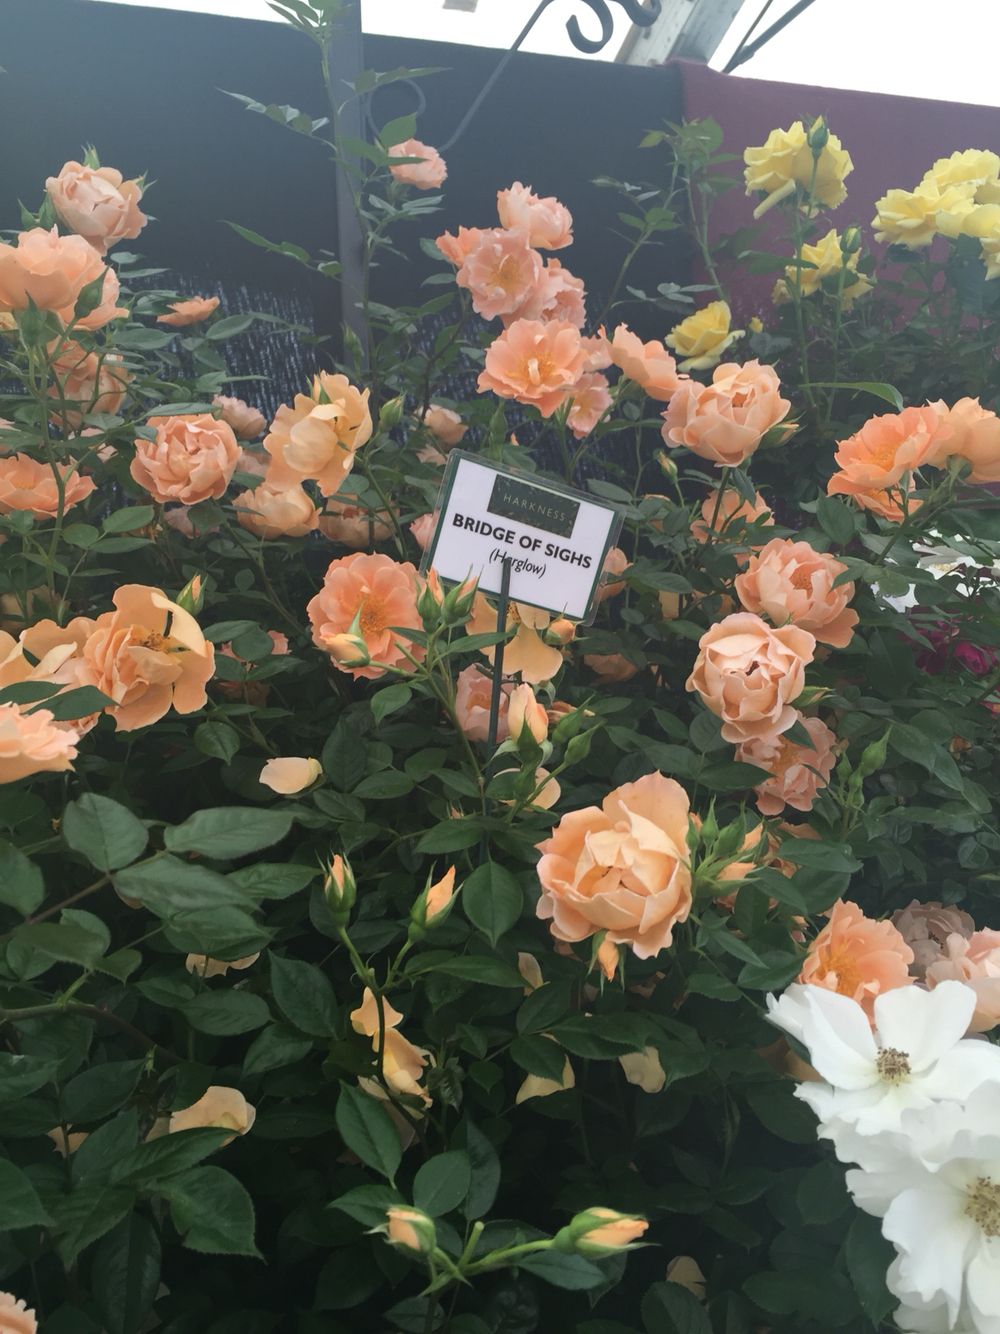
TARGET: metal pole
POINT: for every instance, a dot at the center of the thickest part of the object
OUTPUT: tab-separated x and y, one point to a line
495	696
345	61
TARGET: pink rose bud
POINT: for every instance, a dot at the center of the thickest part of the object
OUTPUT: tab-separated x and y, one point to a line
410	1229
599	1231
525	716
340	889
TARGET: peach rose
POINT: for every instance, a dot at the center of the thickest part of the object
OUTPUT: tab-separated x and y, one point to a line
648	364
857	957
15	1318
558	295
974	960
402	1063
725	421
219	1106
410	1229
27	484
791	581
270	512
148	655
317	437
621	868
444	425
87	382
610	667
247	423
609	1231
97	203
589	402
422	529
970	432
192	459
49	652
473	691
525	714
429	173
877	456
724	518
457	248
207	967
381	593
548	223
193	311
501	272
289	774
52	270
439	895
748	674
527	652
615	563
537	364
33	743
798	773
352	526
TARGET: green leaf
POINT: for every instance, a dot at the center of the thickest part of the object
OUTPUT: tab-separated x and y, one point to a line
390	700
304	996
218	740
86	1214
836	520
545	1005
212	1211
275	247
442	1183
225	1013
173	1153
103	831
563	1271
475	968
127	520
274	1048
104	1148
21	1075
344	757
539	1055
96	1093
272	880
731	776
229	327
169	887
71	704
913	744
821	1195
367	1131
367	1204
879	388
819	856
781	1113
492	900
21	885
68	942
125	1274
387	785
868	1256
229	831
450	836
667	1308
19	1202
601	1036
485	1169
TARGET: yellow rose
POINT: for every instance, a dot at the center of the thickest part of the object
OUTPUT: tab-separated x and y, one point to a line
827	259
786	161
976	167
703	337
911	217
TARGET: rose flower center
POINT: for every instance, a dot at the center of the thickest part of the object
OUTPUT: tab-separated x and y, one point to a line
372	617
893	1065
983	1205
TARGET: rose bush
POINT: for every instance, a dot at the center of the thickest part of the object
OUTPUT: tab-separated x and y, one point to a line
326	1006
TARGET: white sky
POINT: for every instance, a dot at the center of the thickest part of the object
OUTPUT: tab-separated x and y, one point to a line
916	47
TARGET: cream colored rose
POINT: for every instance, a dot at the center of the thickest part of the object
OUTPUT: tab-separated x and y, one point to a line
205	966
219	1106
97	203
290	774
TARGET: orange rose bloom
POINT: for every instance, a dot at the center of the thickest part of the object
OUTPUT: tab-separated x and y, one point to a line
473	691
548	223
615	563
589	402
428	174
610	667
445	425
537	364
876	457
247	422
858	957
456	248
558	295
97	203
791	581
52	270
648	364
271	512
971	432
726	515
316	438
501	272
798	773
27	484
192	459
33	743
381	593
192	311
15	1318
527	652
621	868
86	382
403	1063
148	655
352	526
725	421
748	675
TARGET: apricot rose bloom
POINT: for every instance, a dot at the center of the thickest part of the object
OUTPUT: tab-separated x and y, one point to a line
428	174
381	593
97	203
270	512
316	438
726	420
193	311
702	338
354	527
548	223
33	743
558	295
192	459
445	425
748	674
971	432
148	655
798	773
219	1107
473	691
785	162
15	1318
877	456
27	484
621	868
527	652
86	382
723	517
52	270
402	1063
288	774
248	423
501	272
648	364
791	581
589	402
974	960
857	957
535	363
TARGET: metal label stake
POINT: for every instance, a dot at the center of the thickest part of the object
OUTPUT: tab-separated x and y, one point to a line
498	656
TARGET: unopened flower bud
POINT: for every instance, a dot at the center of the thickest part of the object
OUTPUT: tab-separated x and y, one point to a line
819	135
850	241
410	1229
457	605
560	632
599	1231
192	595
578	747
433	905
755	324
667	465
526	718
391	414
349	649
431	600
340	889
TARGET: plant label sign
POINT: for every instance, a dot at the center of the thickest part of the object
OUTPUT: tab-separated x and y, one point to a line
555	538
